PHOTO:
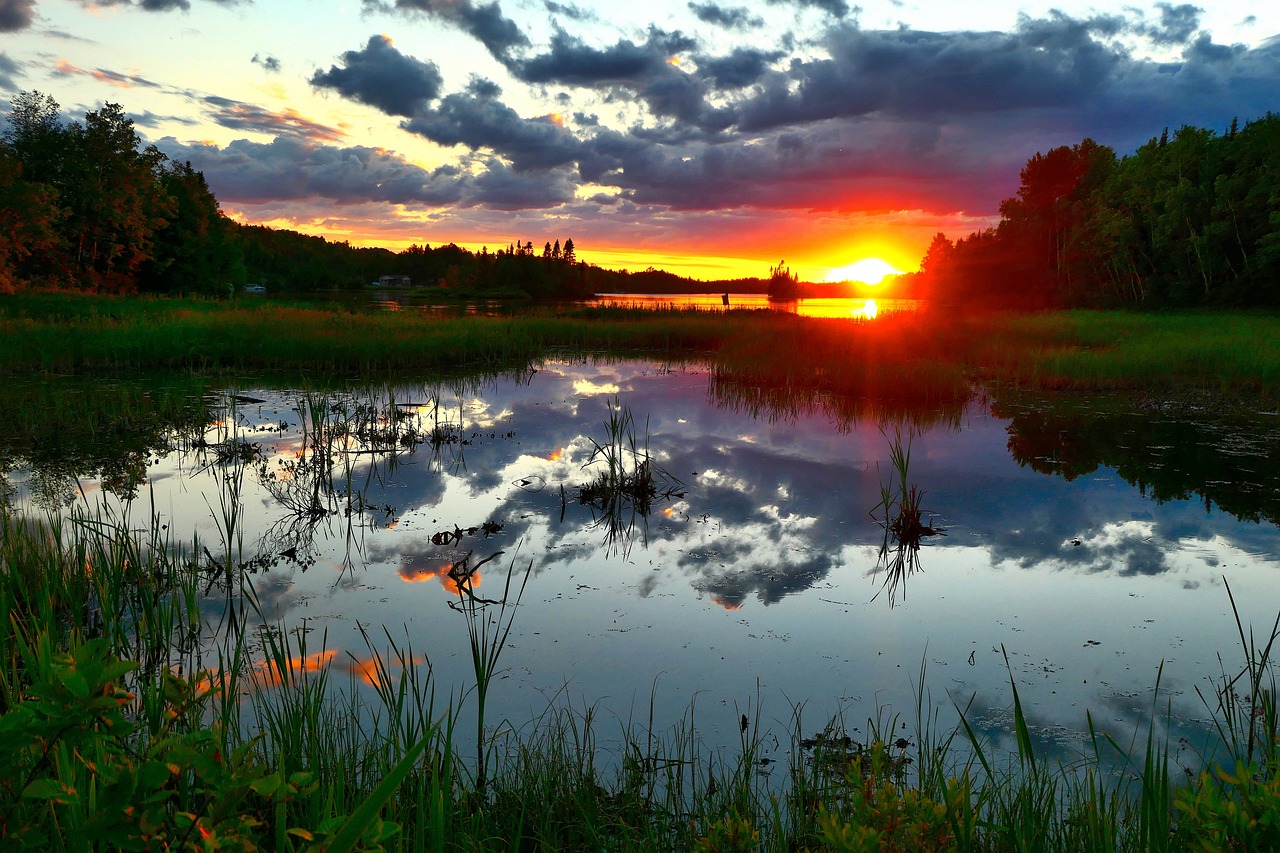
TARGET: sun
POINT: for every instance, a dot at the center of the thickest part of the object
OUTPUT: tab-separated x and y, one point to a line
867	271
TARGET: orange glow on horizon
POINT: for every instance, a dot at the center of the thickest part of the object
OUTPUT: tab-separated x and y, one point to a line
814	257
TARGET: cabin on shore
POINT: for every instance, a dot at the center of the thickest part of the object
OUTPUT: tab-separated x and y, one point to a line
394	281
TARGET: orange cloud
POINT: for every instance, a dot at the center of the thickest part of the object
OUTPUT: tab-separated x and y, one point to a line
414	574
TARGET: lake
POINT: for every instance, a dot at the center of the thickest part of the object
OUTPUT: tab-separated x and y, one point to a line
1082	542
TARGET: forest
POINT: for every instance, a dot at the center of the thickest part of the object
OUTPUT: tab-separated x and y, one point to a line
1190	219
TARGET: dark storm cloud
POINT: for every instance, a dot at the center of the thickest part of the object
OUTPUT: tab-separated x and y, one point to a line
835	8
238	115
573	62
499	187
729	17
1043	64
270	63
1177	24
9	69
646	69
745	66
483	21
477	119
295	169
16	15
383	77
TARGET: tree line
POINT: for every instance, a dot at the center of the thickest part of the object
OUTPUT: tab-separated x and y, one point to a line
87	207
1189	219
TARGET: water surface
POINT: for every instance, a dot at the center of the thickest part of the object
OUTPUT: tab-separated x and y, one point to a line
1086	543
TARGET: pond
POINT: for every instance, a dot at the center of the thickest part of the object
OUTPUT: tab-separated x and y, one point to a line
1077	544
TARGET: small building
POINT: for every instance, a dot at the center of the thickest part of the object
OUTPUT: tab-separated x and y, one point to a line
394	281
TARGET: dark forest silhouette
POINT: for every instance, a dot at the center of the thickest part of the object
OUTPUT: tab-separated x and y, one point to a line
1191	219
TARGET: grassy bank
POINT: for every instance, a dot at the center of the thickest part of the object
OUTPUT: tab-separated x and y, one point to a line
931	356
132	717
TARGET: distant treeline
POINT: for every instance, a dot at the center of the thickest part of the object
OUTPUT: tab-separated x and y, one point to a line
1191	219
86	207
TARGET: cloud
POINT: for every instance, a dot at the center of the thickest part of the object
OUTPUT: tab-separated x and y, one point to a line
499	187
1177	24
153	5
9	69
835	8
649	70
384	78
269	63
572	62
238	115
64	68
570	10
478	120
729	17
483	21
150	119
16	15
292	169
745	66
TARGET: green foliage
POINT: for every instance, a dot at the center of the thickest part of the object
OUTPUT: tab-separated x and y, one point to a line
72	766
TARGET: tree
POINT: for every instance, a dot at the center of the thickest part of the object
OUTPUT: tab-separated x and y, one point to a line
113	202
36	137
29	239
194	251
783	283
569	253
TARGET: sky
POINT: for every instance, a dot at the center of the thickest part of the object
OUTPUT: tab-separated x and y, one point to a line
711	138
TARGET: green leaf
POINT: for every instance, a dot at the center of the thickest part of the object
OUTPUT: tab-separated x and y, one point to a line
50	789
267	785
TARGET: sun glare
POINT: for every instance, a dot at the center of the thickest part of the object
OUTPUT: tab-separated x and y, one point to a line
867	271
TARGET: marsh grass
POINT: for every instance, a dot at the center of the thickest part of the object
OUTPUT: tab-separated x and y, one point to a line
901	515
919	357
628	478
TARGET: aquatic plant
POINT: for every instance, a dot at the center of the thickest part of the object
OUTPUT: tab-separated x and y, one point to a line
629	480
902	518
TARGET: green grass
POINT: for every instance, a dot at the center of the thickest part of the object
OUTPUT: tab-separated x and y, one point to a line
923	358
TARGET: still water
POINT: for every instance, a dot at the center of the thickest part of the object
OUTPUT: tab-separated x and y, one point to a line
1084	539
831	307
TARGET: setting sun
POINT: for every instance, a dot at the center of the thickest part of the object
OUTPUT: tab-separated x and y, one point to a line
867	271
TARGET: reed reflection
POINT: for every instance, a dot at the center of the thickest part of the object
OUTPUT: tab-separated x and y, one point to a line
902	517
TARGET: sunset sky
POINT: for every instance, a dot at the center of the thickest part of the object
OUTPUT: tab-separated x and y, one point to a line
708	138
